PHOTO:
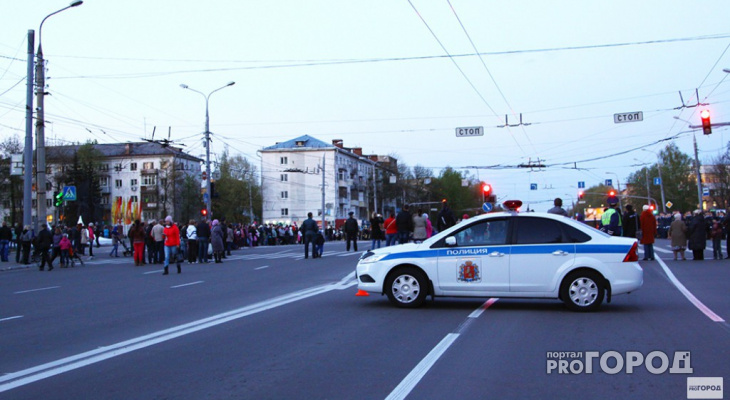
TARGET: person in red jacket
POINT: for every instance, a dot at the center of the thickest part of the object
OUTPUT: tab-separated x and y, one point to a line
391	230
172	244
647	222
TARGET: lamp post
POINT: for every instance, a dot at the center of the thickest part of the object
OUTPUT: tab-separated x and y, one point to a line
661	181
208	195
28	148
40	137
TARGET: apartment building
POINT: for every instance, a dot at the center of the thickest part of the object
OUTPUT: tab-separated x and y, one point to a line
306	174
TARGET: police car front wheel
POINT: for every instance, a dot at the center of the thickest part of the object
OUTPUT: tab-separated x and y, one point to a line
407	287
583	290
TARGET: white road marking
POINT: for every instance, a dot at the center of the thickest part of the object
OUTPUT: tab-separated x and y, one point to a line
153	272
186	284
37	290
700	306
476	313
262	267
411	380
30	375
9	318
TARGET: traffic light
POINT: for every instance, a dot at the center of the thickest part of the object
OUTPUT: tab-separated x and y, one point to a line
611	193
57	199
204	212
706	124
487	189
580	195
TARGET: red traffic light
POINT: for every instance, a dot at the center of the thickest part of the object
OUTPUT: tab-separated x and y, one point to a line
487	188
612	193
580	195
204	212
651	207
706	124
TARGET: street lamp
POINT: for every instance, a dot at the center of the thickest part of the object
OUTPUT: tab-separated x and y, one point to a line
40	136
661	181
207	196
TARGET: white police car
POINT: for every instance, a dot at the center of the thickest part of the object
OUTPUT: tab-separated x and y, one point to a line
506	254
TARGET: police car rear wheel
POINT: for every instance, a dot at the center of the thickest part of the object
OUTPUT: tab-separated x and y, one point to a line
583	291
406	287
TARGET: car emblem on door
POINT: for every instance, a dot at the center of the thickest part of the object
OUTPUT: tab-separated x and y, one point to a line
469	272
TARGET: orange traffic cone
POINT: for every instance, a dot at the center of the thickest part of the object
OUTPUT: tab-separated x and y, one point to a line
362	293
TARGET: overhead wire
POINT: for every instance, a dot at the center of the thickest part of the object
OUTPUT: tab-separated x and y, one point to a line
463	74
494	81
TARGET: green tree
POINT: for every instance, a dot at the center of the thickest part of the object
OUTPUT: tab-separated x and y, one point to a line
719	173
678	178
448	186
236	190
11	186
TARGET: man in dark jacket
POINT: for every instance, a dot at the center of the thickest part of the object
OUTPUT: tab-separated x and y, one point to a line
351	230
445	218
630	221
44	242
203	230
19	248
6	235
309	231
404	224
697	234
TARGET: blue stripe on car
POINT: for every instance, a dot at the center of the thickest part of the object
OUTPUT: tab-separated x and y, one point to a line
518	249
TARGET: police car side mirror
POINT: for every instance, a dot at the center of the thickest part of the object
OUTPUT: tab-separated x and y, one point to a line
450	241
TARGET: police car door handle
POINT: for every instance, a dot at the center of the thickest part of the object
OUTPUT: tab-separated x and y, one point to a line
560	253
496	254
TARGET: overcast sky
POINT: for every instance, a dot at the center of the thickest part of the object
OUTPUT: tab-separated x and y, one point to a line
390	76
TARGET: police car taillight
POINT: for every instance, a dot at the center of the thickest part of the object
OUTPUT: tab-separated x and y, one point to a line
633	254
512	205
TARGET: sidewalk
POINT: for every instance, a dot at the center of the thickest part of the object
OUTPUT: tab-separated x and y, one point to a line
99	252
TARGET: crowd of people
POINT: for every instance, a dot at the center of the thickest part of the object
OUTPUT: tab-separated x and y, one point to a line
690	230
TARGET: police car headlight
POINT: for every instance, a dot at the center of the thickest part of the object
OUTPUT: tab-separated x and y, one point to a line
372	258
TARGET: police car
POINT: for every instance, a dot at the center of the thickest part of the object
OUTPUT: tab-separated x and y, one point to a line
507	254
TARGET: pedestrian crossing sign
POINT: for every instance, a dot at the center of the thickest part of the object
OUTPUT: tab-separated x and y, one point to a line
69	193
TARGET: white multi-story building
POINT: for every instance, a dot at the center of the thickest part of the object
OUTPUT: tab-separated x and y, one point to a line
136	179
304	174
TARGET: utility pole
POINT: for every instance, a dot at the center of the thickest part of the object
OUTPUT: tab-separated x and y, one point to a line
375	191
40	138
324	220
697	172
250	198
40	181
661	187
208	195
28	149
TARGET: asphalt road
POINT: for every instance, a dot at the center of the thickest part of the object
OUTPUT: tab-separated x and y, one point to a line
267	324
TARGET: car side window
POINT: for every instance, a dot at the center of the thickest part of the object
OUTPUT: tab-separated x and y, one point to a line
483	233
532	230
574	235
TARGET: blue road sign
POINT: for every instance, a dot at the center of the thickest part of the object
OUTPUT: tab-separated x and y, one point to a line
657	181
705	191
609	182
69	193
533	186
581	185
487	207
